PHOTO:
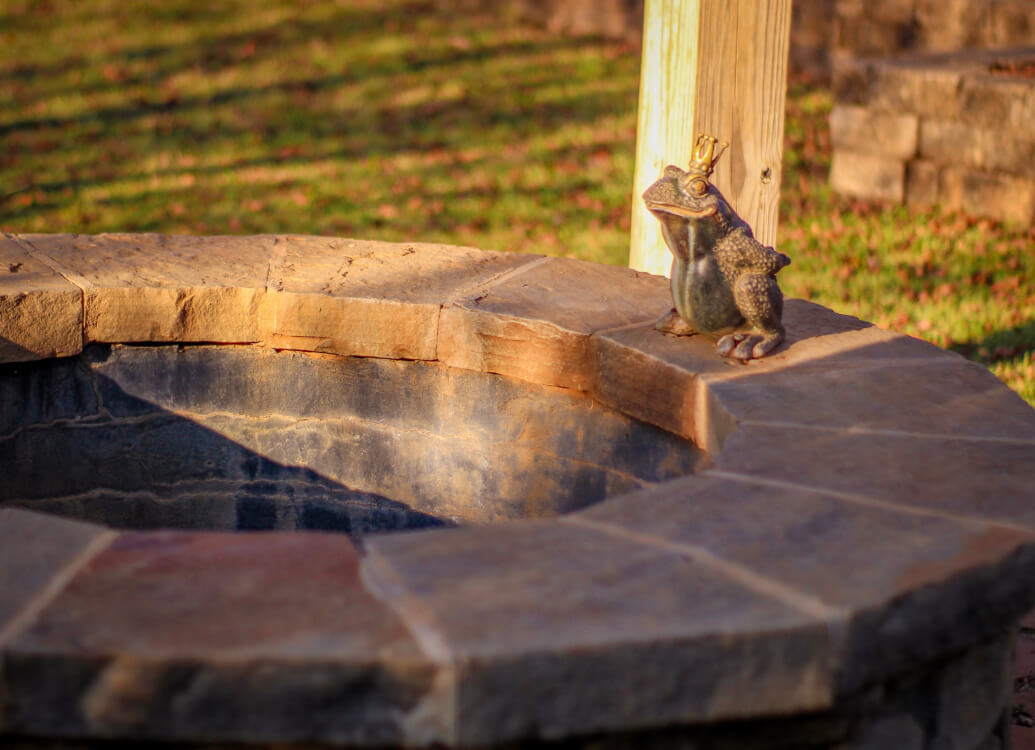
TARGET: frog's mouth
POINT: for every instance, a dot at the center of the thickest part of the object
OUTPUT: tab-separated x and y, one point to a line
678	210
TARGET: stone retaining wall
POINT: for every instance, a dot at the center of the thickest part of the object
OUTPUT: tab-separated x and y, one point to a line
843	573
958	130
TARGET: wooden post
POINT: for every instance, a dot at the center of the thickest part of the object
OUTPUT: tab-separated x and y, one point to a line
718	67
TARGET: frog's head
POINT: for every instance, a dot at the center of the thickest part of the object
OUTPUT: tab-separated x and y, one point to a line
688	194
685	194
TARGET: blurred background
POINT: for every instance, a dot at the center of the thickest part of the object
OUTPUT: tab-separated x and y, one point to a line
504	125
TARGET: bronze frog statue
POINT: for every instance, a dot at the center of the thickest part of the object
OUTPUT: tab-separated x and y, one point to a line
723	279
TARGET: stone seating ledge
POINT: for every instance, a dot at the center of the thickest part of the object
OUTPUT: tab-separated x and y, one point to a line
868	508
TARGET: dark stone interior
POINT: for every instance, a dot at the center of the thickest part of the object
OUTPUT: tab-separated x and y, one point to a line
240	437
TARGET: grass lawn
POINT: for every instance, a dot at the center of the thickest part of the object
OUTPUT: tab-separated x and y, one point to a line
383	119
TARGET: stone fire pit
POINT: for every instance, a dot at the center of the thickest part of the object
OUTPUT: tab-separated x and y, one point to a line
825	548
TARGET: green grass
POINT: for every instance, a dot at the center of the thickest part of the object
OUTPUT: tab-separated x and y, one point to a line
386	120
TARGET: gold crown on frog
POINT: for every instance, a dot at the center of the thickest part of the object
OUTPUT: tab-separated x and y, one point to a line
702	164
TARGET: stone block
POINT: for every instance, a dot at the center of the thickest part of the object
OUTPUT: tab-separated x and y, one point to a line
359	326
41	312
893	11
151	287
1000	103
216	637
973	693
900	731
867	175
999	196
939	474
922	183
38	550
549	650
372	298
1011	23
877	132
652	376
854	557
949	25
865	36
915	86
958	144
536	324
46	393
936	396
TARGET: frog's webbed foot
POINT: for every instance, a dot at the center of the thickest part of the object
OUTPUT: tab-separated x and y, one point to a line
674	325
760	302
744	346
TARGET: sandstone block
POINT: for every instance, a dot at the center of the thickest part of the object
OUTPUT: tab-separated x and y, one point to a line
948	25
993	149
27	567
362	326
508	329
871	554
922	182
973	694
872	131
977	478
150	287
913	86
867	175
274	634
371	298
548	650
1000	196
900	731
1001	103
1011	22
41	313
938	395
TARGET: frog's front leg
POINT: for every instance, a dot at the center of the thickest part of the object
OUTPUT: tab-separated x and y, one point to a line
760	301
674	325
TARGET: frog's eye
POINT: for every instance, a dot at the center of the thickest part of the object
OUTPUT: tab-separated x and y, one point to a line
697	187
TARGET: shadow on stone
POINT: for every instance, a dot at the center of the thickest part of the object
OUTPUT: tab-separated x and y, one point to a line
236	437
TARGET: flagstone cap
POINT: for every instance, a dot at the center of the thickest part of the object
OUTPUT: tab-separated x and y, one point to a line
869	506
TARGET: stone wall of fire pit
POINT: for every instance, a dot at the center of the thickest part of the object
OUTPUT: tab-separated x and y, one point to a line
841	567
956	129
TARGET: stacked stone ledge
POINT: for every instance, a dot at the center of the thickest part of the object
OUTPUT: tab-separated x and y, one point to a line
938	129
840	576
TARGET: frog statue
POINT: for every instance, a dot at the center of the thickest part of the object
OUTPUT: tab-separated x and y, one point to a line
723	279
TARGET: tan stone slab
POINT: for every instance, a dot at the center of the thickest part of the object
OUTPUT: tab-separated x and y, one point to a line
936	396
547	623
151	287
922	182
909	581
222	637
651	376
536	324
874	131
980	478
35	550
867	175
1000	196
372	298
41	313
361	326
998	102
959	144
